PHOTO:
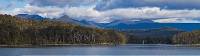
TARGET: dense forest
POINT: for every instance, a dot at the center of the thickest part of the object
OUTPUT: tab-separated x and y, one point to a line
16	31
187	38
148	40
179	38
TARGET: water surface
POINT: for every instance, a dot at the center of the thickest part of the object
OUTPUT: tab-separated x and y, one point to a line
103	50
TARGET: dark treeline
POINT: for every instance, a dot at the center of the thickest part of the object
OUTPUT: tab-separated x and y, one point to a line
149	40
187	38
16	31
151	36
179	38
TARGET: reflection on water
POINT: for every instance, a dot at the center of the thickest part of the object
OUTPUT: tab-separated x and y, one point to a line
103	50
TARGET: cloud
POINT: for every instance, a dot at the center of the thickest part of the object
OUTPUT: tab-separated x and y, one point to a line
82	13
152	12
91	14
78	13
110	10
177	20
163	4
113	4
7	5
1	12
62	3
50	12
11	5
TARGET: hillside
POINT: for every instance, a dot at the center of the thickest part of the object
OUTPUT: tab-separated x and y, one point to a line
15	31
136	31
120	24
187	38
154	33
151	36
181	26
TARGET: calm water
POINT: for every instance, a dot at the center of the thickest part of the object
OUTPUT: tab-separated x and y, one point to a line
102	50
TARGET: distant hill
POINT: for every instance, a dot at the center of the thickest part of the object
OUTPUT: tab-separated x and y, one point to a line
181	26
67	19
64	18
31	17
121	24
154	33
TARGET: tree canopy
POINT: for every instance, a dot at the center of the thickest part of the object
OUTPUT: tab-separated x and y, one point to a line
187	38
15	30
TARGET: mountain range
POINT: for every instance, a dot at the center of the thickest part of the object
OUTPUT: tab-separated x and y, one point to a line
142	28
31	17
121	24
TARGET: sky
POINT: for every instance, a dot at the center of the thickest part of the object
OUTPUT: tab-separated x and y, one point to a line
104	11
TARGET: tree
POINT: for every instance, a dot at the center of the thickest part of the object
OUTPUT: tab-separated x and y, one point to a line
15	31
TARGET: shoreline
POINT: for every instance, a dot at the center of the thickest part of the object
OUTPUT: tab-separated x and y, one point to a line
52	45
95	45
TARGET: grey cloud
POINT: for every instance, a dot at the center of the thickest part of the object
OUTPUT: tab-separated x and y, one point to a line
108	10
163	4
50	12
177	20
151	13
62	3
112	4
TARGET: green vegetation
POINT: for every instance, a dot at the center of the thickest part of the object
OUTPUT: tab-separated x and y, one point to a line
149	40
151	36
187	38
17	31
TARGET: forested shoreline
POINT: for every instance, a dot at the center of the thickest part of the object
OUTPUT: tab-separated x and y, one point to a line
187	38
19	31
